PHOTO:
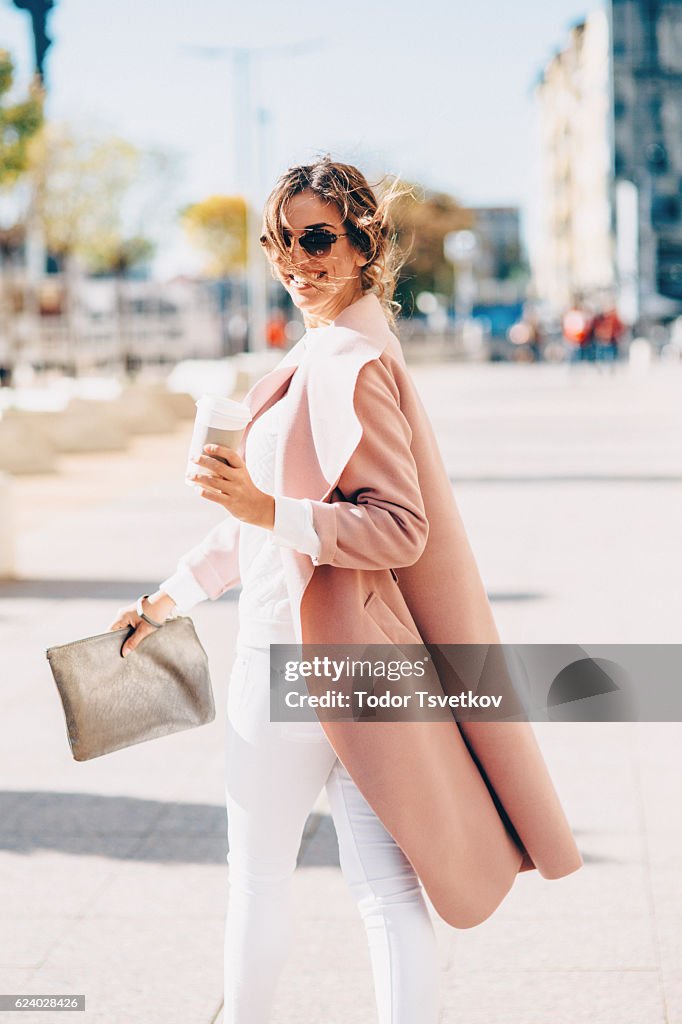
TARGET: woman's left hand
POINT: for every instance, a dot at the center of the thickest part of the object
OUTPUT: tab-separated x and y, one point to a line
232	487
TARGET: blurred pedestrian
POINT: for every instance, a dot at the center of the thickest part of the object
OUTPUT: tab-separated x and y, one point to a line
237	332
608	329
535	334
577	330
276	330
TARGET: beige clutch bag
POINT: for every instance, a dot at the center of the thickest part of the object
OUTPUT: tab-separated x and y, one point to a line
111	702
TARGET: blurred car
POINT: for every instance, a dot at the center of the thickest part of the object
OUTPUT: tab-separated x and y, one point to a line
497	321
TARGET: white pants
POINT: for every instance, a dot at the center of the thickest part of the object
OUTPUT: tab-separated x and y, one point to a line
274	774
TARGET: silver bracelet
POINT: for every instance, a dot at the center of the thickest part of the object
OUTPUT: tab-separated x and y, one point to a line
138	609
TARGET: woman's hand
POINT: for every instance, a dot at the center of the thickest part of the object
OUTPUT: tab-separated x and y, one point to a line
157	606
232	487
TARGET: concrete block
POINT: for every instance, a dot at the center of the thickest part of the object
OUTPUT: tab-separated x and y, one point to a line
144	412
104	409
84	426
25	447
200	376
251	366
181	403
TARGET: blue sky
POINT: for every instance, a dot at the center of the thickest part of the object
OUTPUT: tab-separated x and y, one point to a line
439	92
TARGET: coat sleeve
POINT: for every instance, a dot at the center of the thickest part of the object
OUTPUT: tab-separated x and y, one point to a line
213	563
382	523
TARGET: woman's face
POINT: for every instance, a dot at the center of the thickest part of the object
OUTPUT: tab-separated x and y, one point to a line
340	270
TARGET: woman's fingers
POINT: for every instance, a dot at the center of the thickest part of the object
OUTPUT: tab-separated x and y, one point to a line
133	641
230	486
125	617
211	483
221	452
141	629
129	617
212	495
218	468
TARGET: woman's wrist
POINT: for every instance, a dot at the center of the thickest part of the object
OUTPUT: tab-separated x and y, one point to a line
268	517
159	605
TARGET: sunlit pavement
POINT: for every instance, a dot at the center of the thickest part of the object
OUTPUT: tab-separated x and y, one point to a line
113	871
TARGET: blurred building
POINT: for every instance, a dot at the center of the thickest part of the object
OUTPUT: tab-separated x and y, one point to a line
500	266
610	216
574	256
647	152
97	324
499	270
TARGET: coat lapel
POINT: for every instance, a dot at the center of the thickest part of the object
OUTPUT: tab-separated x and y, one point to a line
266	386
320	428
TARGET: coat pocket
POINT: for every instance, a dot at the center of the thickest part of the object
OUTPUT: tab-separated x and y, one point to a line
388	622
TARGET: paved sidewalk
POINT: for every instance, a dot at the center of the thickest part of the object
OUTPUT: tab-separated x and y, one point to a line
112	872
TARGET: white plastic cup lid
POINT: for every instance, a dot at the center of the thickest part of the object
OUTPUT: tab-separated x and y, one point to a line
222	413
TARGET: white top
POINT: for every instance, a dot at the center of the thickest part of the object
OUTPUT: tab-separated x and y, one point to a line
264	609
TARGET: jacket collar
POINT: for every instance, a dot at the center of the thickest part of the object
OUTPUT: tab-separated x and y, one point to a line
360	330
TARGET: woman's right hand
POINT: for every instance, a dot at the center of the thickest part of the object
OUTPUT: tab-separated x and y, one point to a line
157	606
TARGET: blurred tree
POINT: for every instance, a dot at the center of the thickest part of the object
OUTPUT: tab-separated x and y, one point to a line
95	199
19	122
80	183
117	254
422	221
217	225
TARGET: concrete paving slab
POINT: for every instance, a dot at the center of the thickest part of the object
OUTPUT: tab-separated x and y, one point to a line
559	997
605	885
666	890
672	991
668	936
14	979
28	941
320	895
324	1001
187	885
579	944
154	969
38	880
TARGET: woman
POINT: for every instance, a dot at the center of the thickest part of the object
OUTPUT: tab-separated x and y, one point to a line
337	483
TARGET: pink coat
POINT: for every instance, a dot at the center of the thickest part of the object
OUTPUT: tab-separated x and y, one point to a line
470	804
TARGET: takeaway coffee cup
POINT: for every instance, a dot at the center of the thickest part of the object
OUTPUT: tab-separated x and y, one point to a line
218	421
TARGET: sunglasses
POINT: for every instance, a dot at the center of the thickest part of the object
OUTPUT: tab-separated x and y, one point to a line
316	242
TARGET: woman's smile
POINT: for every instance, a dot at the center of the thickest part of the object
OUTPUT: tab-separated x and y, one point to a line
302	285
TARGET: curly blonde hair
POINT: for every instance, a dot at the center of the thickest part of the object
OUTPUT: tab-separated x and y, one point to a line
366	219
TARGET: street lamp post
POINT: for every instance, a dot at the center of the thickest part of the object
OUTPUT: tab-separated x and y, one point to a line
39	11
459	248
249	170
